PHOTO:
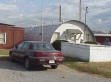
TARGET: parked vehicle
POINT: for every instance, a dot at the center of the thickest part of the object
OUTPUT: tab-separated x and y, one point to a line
36	53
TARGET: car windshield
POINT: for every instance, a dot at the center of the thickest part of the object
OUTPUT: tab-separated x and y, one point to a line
43	46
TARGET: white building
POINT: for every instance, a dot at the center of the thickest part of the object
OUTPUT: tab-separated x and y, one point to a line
73	31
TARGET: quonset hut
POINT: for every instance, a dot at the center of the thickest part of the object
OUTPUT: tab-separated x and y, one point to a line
73	31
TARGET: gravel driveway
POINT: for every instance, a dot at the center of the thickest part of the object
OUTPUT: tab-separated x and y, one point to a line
13	72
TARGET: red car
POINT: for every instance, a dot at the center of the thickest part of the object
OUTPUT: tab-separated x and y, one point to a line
36	53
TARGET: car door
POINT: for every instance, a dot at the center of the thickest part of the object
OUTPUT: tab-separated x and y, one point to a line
23	51
17	51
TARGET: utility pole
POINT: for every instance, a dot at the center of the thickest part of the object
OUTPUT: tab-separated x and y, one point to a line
80	9
42	32
60	13
86	11
60	18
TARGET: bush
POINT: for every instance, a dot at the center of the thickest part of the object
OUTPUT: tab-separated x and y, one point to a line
57	44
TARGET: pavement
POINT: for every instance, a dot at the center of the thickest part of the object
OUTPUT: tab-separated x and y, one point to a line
14	72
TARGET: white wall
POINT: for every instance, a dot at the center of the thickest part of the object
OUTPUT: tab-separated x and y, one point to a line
76	50
91	53
100	54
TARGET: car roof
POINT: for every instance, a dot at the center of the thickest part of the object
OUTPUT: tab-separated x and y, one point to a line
37	42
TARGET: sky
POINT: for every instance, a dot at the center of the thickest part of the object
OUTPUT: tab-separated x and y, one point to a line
27	13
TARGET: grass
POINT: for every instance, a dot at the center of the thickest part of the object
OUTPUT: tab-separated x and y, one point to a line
103	69
4	52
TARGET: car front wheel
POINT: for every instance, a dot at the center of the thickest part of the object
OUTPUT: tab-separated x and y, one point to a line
54	66
11	58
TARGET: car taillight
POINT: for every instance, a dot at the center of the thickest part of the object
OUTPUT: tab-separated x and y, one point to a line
60	54
37	54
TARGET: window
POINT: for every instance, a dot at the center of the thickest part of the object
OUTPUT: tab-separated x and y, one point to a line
2	38
26	45
42	46
20	45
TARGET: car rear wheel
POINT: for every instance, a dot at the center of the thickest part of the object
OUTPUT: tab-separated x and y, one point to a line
27	64
54	66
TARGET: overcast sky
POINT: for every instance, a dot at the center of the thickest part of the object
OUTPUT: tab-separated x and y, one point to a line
28	12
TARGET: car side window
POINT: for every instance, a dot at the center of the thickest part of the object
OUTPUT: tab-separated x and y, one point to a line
20	45
42	46
36	47
26	45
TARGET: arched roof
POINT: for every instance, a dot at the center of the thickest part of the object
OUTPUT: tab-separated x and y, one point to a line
79	24
76	22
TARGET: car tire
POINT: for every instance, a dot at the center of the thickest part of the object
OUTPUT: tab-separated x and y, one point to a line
27	64
12	60
54	66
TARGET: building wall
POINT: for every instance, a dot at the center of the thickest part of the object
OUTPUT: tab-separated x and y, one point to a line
91	53
100	53
103	39
18	36
14	35
76	51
